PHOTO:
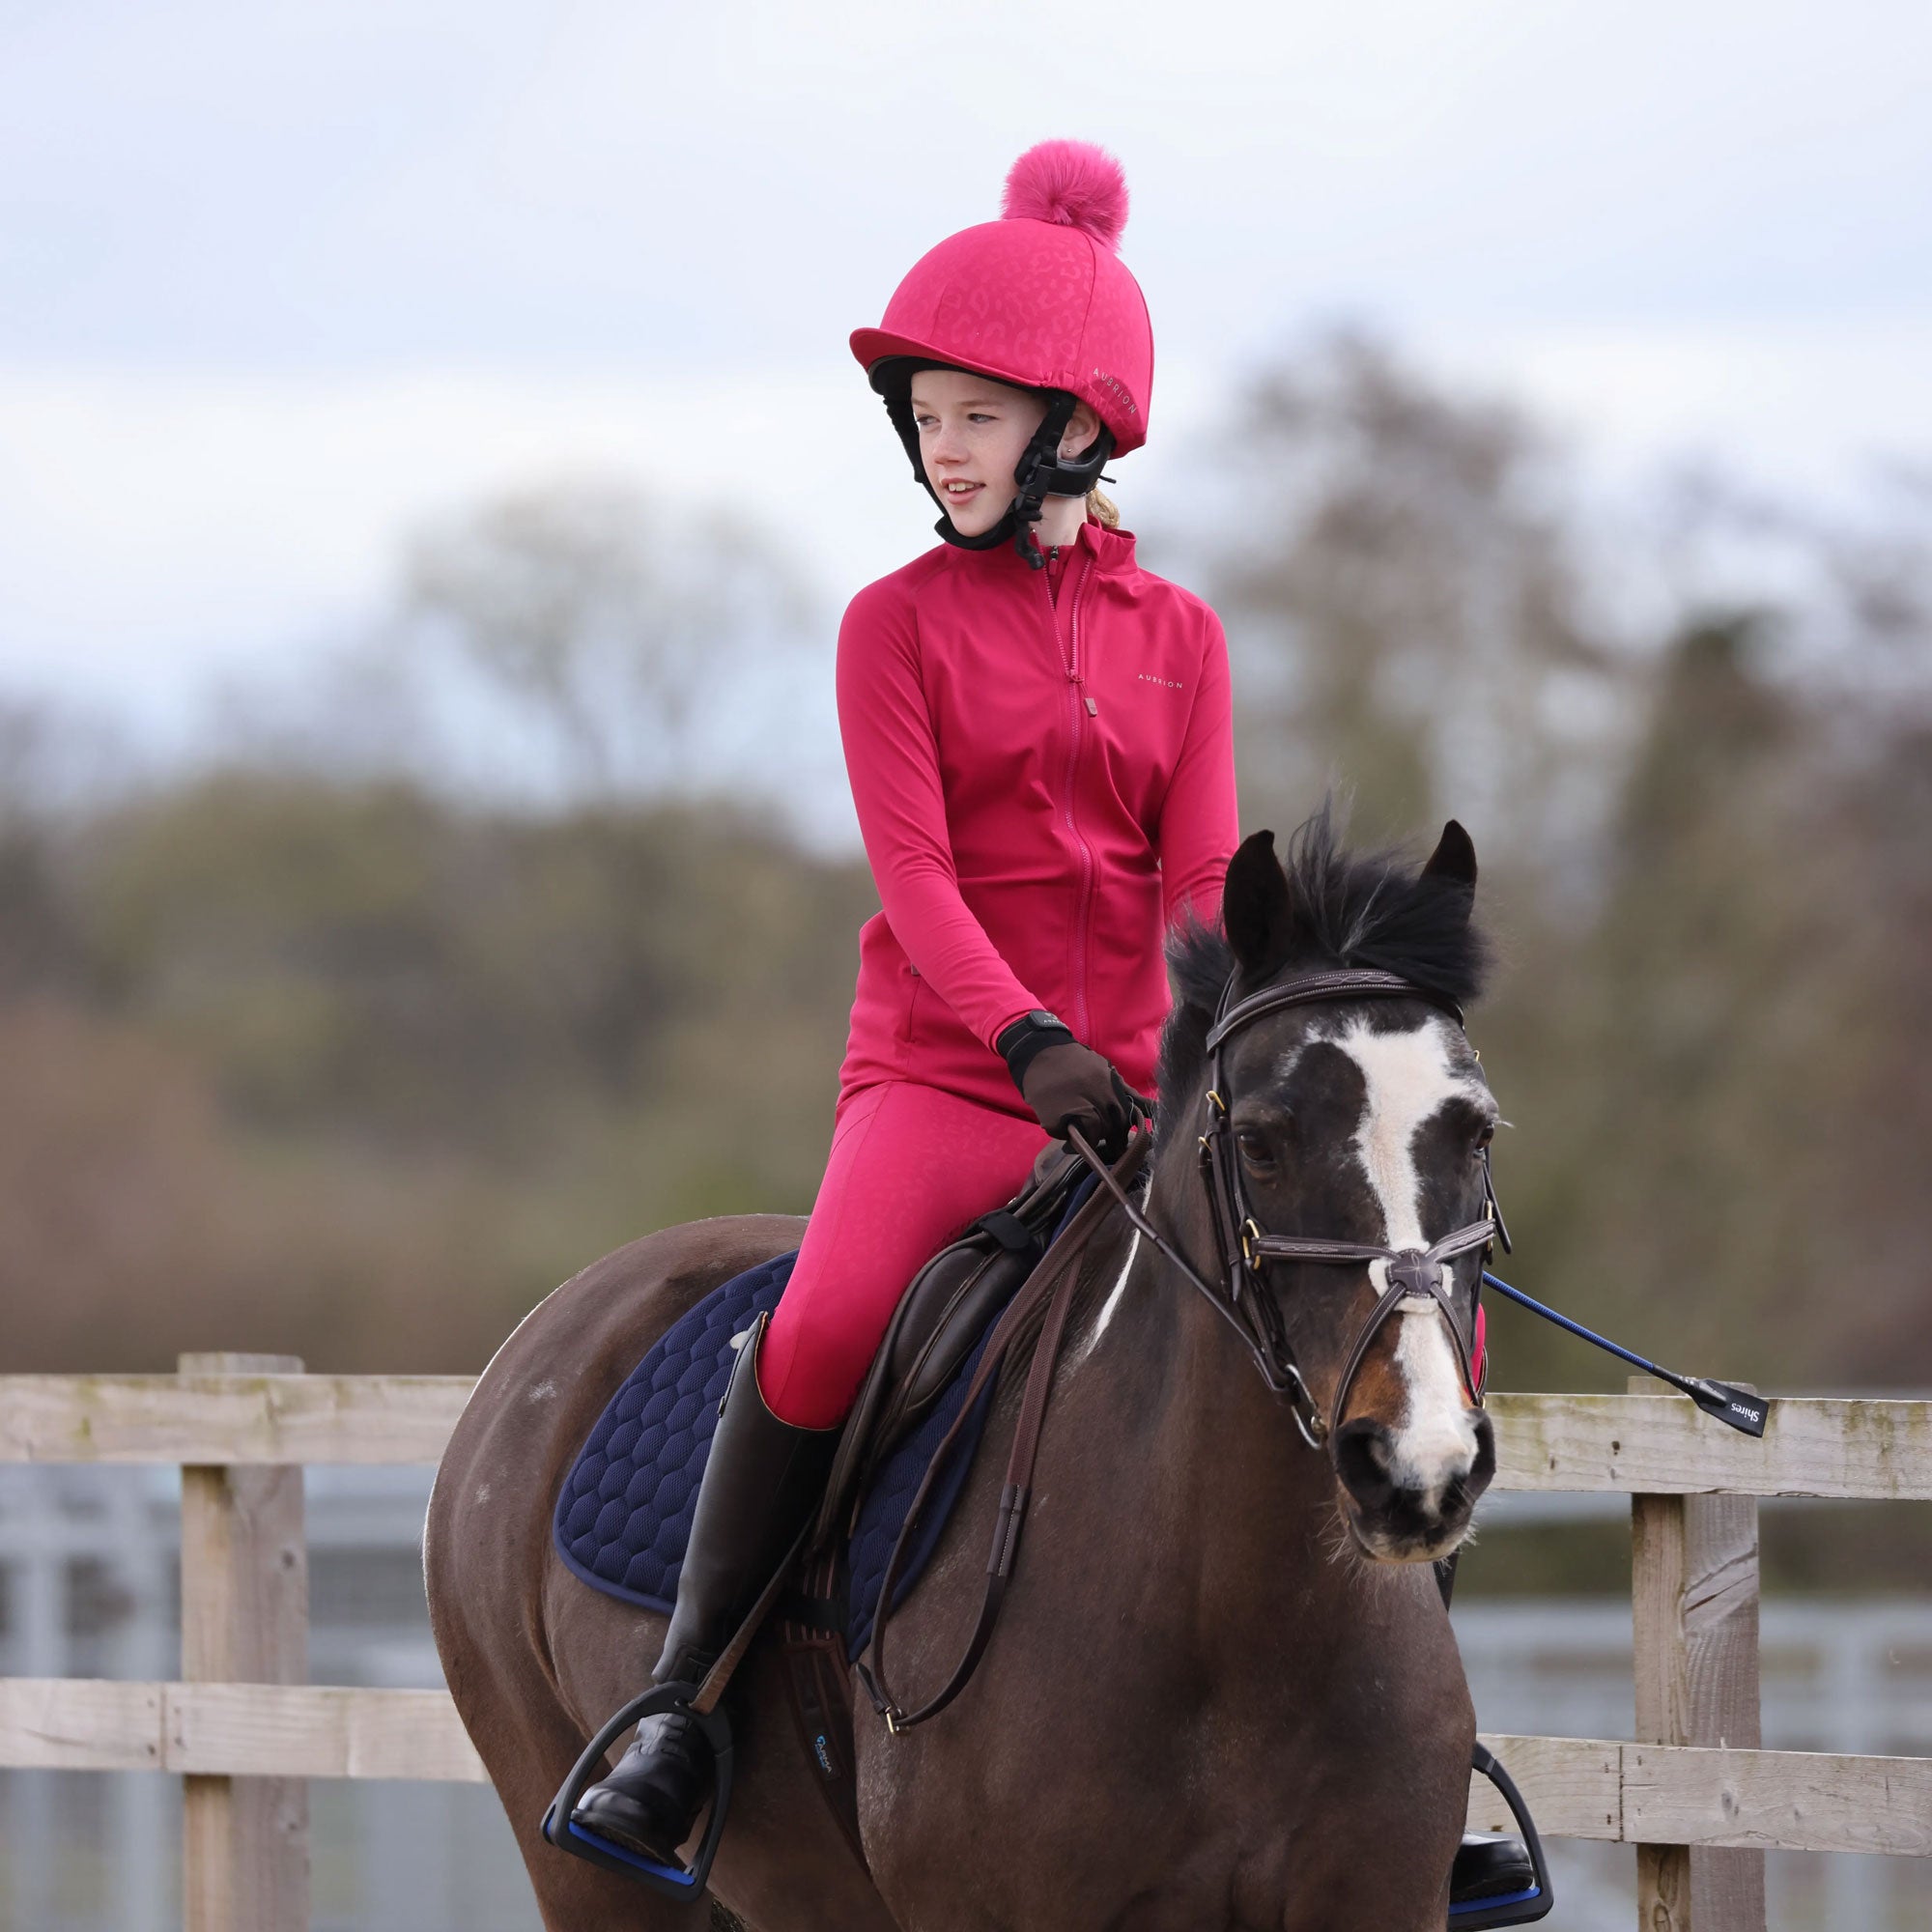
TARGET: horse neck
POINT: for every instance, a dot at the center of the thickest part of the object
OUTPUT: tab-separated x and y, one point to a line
1227	1492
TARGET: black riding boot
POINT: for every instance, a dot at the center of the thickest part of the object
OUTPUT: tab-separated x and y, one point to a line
1489	1865
760	1482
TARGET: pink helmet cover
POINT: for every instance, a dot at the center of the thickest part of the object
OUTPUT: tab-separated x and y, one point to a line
1039	299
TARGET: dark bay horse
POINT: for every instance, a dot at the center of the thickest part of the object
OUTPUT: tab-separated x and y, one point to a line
1224	1692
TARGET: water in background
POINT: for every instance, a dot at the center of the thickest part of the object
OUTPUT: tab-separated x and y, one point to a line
88	1565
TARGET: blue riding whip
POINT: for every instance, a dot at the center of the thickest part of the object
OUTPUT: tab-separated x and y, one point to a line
1741	1410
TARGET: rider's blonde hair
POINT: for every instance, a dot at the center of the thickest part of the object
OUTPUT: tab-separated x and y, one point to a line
1101	507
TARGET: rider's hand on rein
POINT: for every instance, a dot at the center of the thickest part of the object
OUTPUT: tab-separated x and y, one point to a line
1068	1086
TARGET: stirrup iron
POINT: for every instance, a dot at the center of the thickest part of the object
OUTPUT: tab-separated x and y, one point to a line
1512	1908
675	1881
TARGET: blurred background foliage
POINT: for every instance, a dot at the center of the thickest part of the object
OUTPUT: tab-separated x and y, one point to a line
338	1047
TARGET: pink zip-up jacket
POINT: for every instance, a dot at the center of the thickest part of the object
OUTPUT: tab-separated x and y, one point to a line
1042	786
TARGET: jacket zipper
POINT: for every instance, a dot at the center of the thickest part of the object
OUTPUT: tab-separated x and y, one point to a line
1078	709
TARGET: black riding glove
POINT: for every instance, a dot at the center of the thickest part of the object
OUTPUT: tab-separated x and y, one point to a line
1069	1085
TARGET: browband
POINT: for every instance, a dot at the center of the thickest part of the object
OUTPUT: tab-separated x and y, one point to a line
1344	983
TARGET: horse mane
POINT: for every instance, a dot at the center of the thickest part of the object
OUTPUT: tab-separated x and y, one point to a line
1350	909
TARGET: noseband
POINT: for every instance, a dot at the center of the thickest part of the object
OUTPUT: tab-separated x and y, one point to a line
1241	1296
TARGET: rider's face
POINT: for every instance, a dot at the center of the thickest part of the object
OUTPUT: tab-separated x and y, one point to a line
971	434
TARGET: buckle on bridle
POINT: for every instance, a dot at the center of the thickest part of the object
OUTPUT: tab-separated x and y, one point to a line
1250	1234
1291	1386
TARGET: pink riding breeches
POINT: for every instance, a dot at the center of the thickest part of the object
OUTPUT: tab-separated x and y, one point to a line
910	1166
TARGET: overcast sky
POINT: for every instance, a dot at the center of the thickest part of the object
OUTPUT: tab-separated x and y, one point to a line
278	282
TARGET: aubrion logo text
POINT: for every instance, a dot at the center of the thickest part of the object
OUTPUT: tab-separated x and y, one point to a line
1168	682
1118	390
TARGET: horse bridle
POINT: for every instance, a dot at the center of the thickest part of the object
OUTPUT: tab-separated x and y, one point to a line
1245	1250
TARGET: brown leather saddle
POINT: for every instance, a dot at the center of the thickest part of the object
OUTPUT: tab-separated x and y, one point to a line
941	1317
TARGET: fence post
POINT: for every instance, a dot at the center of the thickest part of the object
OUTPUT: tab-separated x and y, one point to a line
1695	1607
245	1620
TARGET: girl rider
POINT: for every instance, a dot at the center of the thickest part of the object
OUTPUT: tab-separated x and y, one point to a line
1038	737
1038	740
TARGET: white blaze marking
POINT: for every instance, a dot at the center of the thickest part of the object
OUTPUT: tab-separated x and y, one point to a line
1112	1302
1409	1077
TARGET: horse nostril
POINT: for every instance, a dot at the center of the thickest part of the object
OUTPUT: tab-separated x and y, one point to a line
1483	1466
1364	1458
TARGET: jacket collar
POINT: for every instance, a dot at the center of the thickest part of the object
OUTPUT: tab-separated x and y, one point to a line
1112	552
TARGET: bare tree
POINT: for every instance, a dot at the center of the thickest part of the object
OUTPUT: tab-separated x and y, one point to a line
1407	612
637	635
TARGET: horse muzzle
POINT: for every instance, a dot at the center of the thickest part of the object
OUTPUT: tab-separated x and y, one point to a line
1410	1502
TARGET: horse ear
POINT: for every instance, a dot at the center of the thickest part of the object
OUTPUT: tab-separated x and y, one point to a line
1454	859
1255	905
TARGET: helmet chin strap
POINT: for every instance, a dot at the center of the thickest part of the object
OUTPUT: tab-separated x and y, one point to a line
1042	472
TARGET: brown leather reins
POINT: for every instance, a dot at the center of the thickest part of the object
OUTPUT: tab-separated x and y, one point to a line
1051	1285
1239	1299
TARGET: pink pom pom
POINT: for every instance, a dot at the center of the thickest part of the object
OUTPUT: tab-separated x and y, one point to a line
1073	182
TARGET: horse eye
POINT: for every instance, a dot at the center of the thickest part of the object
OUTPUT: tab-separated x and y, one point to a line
1253	1146
1487	1135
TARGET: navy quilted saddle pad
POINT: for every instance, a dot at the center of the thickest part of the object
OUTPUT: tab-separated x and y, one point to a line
624	1516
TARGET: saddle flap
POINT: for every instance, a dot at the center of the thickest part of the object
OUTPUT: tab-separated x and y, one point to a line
939	1319
946	1311
959	1291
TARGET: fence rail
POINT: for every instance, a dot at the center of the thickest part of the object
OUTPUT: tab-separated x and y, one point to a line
1579	1787
1695	1795
1617	1444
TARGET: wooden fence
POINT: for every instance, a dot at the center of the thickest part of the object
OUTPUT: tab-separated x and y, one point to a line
1695	1794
